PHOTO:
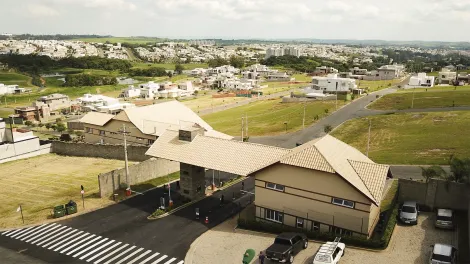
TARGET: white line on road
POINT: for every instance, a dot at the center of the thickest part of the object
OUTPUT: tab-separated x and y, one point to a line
110	254
54	236
70	242
88	248
122	253
96	249
149	258
139	257
129	256
171	260
160	259
49	228
69	234
66	240
14	231
181	262
84	245
29	232
35	231
8	231
22	231
103	251
47	235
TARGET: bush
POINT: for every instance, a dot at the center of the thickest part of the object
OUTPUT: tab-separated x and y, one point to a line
28	123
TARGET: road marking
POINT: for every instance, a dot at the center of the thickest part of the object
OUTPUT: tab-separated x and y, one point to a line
149	258
139	257
110	254
8	231
181	262
47	235
34	232
88	248
96	249
14	231
70	242
129	256
160	259
65	240
22	230
122	253
29	232
54	236
104	251
49	228
171	260
82	246
69	234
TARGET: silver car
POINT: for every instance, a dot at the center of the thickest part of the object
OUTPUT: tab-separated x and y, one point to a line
443	254
444	219
409	213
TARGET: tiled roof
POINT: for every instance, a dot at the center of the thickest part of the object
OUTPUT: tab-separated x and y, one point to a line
95	118
236	157
307	156
372	176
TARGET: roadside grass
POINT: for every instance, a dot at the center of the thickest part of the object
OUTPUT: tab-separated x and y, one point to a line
148	185
168	66
376	85
387	202
267	117
12	78
4	112
424	99
410	138
42	182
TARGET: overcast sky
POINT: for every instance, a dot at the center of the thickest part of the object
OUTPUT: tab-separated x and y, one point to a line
444	20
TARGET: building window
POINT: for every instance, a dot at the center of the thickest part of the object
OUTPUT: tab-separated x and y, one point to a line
151	141
340	231
343	202
102	133
300	222
274	186
315	226
274	216
89	130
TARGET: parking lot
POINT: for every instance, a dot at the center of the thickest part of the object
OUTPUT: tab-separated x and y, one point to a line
410	244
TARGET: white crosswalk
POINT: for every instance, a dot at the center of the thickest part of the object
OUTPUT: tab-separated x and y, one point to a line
87	247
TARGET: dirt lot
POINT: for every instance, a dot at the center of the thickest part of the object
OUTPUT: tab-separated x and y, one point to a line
42	182
410	244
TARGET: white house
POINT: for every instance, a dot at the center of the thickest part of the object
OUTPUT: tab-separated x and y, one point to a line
421	80
331	83
186	86
131	92
101	103
446	76
278	77
8	89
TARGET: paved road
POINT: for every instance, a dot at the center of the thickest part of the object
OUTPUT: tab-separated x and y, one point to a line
123	230
411	172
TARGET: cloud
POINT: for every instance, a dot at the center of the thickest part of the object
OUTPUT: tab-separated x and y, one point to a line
39	10
100	4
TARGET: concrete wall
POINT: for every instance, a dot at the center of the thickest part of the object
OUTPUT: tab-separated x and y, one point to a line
138	173
134	153
435	194
43	149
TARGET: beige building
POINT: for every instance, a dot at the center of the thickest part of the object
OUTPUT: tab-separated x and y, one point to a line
324	185
143	125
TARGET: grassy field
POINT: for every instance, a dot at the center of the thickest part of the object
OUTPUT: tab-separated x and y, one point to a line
45	181
202	102
268	117
5	112
376	85
168	66
411	138
432	98
11	78
277	87
131	40
300	77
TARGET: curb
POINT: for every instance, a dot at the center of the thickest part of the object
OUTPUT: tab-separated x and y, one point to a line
193	202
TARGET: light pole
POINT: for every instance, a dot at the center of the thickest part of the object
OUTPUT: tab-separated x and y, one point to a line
285	123
124	133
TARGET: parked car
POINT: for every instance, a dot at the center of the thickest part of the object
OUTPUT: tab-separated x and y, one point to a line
330	252
443	254
444	219
286	246
409	213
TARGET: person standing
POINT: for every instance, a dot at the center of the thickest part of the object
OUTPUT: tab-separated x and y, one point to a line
261	257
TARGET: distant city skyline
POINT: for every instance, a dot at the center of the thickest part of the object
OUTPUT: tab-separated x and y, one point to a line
400	20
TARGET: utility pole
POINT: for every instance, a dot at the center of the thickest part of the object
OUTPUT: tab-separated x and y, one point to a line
368	138
124	133
243	126
336	96
303	120
246	124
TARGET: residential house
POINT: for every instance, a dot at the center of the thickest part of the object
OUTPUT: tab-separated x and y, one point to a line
323	185
421	80
186	86
332	83
447	76
37	112
131	92
386	72
143	124
358	71
324	70
101	103
278	77
55	101
149	90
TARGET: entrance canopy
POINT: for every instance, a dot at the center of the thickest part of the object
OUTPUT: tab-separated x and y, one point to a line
240	158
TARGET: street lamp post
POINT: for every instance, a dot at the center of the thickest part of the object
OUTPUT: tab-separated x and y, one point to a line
285	123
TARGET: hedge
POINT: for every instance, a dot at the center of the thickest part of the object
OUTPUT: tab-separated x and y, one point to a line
274	228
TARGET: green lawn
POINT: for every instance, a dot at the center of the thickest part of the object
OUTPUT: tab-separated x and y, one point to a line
432	98
411	138
169	66
277	87
376	85
268	117
11	78
300	77
5	112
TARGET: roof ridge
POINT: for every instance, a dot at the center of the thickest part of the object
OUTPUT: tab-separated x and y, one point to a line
359	175
247	143
326	160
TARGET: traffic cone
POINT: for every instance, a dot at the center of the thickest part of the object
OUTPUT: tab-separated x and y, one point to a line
207	220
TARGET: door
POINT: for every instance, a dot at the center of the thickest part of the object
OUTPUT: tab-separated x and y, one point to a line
296	244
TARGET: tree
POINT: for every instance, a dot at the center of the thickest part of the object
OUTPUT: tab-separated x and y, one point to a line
28	123
48	126
237	61
433	172
61	127
40	125
58	120
217	62
460	169
54	127
327	128
179	68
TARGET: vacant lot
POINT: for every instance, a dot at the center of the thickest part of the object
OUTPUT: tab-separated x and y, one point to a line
5	112
376	85
411	138
202	102
268	117
424	98
11	78
41	183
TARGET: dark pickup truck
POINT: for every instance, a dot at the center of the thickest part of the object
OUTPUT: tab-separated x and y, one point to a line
286	246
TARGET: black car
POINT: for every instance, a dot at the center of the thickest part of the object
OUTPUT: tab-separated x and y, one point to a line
286	246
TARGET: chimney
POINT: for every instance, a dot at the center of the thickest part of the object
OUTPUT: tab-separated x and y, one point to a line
189	133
